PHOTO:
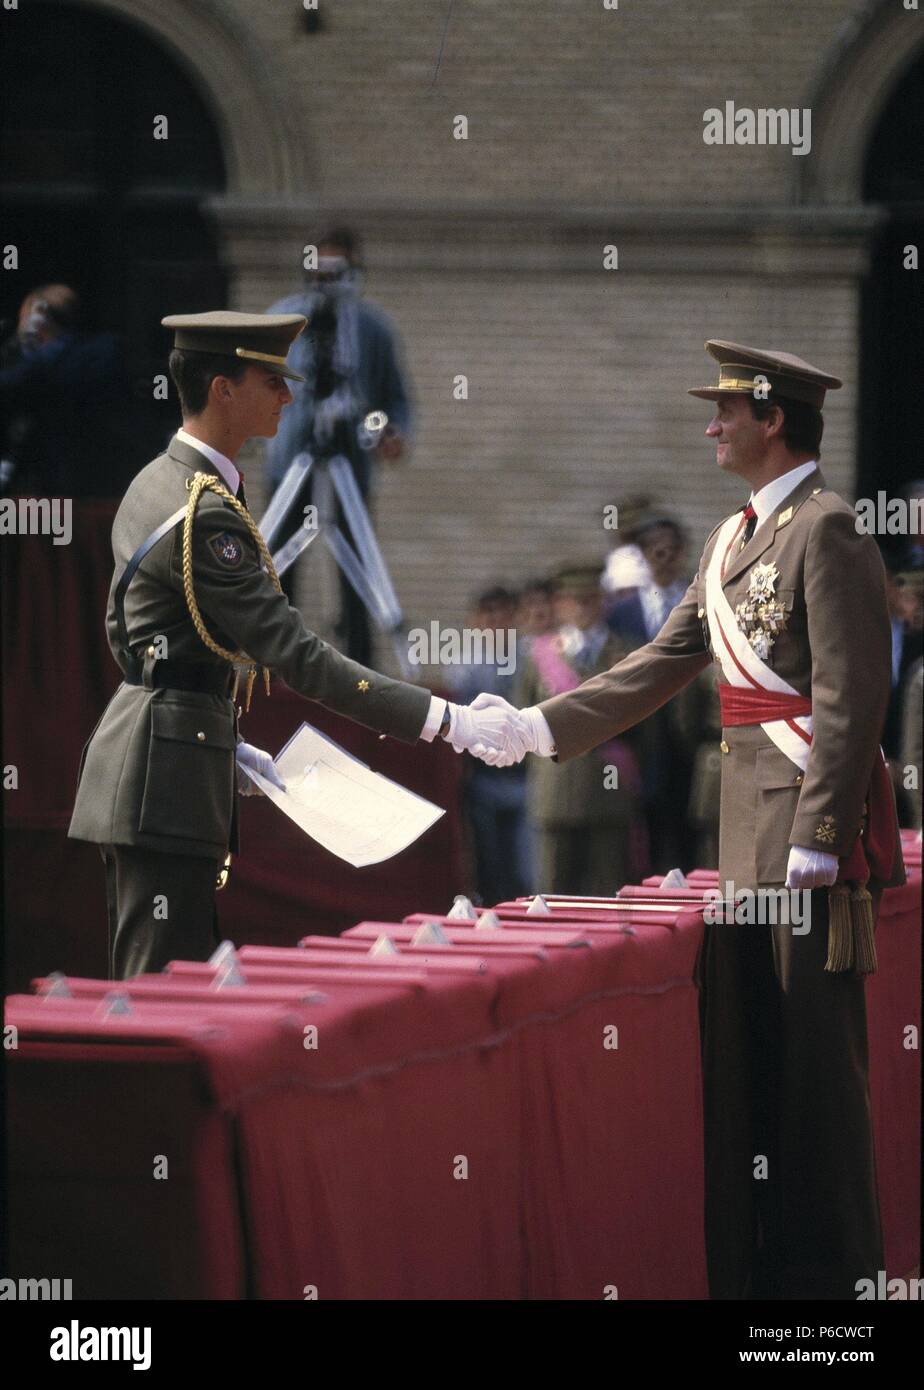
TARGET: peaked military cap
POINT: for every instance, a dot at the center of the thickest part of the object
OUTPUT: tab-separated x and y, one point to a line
785	375
263	338
578	579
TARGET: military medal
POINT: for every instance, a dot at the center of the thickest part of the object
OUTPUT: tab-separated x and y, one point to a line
760	615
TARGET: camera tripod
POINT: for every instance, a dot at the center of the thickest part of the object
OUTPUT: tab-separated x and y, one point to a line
363	566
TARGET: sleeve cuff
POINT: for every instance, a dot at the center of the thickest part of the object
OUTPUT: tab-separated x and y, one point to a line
542	740
434	719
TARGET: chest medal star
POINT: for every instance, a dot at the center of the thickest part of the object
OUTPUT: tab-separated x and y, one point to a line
759	615
763	581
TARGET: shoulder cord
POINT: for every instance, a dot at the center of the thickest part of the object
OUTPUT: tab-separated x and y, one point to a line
207	482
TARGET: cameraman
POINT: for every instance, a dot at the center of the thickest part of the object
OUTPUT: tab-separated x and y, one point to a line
350	358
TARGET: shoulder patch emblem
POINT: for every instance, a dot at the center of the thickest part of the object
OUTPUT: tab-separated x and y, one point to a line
228	549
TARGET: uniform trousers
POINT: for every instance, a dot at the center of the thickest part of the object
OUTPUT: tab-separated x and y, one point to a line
582	858
791	1199
161	907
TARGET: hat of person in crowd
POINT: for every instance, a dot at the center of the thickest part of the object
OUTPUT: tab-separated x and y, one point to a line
632	512
578	579
749	371
261	338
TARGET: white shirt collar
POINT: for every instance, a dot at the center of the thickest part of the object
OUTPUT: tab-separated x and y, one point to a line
224	465
769	497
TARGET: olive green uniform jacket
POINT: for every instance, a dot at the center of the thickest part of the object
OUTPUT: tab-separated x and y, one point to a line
159	770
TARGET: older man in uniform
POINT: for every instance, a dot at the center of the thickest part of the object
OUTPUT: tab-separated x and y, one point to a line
790	601
193	593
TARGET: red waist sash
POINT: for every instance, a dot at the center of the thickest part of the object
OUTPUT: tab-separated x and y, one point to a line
741	704
874	850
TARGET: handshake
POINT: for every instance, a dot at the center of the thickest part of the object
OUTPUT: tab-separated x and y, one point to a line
493	730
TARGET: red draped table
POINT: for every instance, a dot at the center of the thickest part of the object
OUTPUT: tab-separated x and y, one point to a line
456	1111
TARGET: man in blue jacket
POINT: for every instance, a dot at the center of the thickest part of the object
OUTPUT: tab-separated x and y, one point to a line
351	361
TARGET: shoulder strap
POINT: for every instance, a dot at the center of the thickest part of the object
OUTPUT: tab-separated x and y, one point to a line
128	574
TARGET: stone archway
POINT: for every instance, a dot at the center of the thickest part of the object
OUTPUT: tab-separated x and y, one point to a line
266	154
871	55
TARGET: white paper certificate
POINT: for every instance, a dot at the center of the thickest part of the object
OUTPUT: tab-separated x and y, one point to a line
354	812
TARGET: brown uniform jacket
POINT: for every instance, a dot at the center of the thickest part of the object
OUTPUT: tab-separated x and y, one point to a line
835	648
158	770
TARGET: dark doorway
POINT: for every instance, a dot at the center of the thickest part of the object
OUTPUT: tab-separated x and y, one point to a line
892	304
94	200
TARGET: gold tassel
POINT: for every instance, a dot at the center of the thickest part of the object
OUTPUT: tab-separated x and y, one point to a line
248	689
864	937
840	933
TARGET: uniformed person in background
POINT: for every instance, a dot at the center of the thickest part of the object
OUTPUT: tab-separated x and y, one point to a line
790	600
585	812
193	593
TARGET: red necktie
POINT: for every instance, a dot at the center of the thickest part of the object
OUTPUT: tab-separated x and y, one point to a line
750	522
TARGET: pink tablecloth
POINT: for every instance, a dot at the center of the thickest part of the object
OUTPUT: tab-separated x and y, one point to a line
512	1114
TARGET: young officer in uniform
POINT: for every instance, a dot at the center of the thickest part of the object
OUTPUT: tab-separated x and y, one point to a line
193	591
790	601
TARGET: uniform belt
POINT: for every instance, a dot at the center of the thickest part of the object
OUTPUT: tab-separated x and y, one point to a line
742	705
180	675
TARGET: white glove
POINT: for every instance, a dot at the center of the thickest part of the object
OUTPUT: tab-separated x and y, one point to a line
518	735
810	868
529	731
255	758
487	728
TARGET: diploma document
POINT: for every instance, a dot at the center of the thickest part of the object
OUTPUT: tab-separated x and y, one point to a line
354	812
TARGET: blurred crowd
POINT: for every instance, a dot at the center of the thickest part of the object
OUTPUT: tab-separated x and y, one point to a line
642	803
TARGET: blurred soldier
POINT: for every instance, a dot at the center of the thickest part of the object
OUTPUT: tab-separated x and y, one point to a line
536	613
666	739
494	798
584	813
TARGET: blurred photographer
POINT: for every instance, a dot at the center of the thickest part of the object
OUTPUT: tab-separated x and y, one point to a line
63	394
350	357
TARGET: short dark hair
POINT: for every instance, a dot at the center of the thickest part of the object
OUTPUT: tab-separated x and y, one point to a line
803	425
497	594
194	372
659	523
345	240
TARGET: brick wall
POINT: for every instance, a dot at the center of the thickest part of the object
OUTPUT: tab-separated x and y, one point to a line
585	127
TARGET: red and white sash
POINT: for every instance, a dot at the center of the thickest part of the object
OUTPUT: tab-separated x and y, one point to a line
741	666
